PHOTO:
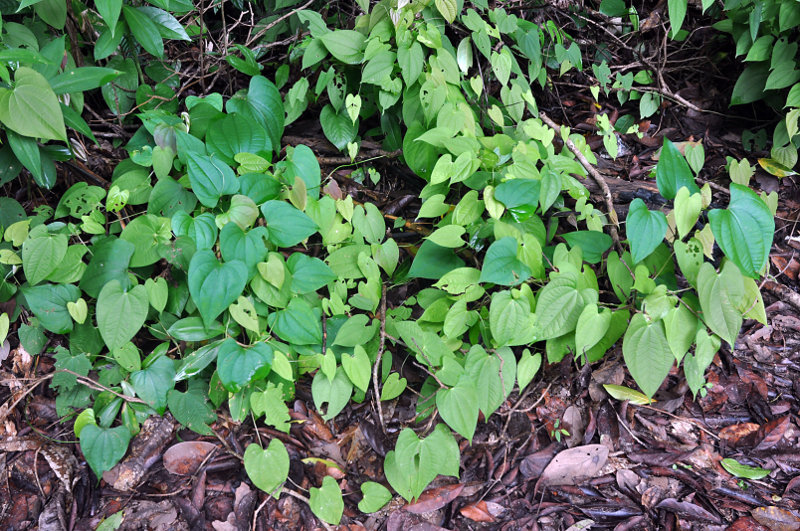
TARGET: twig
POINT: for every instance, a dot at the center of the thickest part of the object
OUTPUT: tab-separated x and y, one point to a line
377	366
601	182
783	293
275	22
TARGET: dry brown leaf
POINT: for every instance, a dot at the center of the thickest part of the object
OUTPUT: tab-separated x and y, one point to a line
482	511
434	499
573	464
776	519
184	458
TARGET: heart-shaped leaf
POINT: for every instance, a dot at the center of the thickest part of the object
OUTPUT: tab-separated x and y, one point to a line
78	310
210	178
645	229
744	230
120	313
268	468
673	172
103	447
647	353
326	502
459	407
237	366
375	497
214	285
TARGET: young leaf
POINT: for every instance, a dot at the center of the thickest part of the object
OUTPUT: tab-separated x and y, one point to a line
335	393
527	367
626	393
326	502
739	470
720	295
375	496
267	468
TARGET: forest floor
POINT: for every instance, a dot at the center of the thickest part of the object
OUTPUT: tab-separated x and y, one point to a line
620	465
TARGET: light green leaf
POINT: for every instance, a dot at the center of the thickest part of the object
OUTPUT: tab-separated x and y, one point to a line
459	407
375	496
448	236
267	468
345	45
154	382
326	502
120	313
210	178
393	386
592	326
270	403
527	367
31	108
335	393
501	265
48	302
720	297
739	470
144	30
41	255
687	210
626	393
647	353
511	320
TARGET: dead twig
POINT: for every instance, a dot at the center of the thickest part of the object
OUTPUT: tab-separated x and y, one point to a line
601	182
376	367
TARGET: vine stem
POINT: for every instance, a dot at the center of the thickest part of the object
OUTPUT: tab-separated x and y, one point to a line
598	178
376	367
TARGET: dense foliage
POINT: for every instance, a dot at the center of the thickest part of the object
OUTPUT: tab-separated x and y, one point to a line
217	269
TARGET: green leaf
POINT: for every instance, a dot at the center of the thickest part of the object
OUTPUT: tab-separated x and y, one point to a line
345	45
687	210
720	296
335	393
448	236
27	151
270	403
197	361
379	68
433	261
109	10
677	12
110	261
157	293
83	78
680	325
31	108
266	105
48	302
337	126
647	353
120	313
744	230
414	463
192	410
559	306
308	273
146	233
375	496
739	470
168	26
501	265
459	407
393	387
593	243
154	382
144	30
645	229
193	329
103	447
448	9
210	178
267	468
42	255
237	366
234	134
673	172
358	367
527	367
286	225
326	502
511	320
626	393
247	247
695	365
592	326
202	229
298	324
214	285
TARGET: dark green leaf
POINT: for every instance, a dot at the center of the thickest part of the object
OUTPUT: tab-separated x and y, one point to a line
144	30
645	229
501	265
237	366
104	447
286	225
214	285
673	172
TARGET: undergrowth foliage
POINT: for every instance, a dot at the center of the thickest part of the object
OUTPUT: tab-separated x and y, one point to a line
188	286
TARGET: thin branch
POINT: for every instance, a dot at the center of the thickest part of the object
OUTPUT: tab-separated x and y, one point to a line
601	182
377	366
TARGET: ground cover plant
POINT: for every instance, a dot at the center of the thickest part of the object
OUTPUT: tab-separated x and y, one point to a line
219	271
